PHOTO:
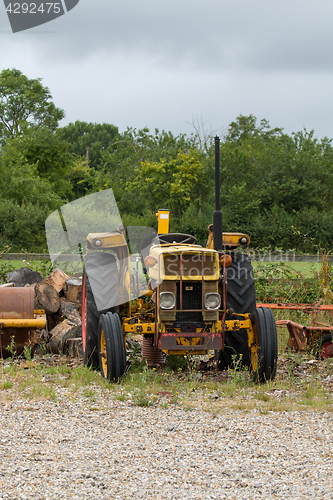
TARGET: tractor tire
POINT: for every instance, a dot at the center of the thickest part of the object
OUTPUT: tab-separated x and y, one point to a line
241	298
324	347
90	318
90	312
264	361
241	293
111	347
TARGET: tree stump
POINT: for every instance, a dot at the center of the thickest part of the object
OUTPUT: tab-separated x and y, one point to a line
73	287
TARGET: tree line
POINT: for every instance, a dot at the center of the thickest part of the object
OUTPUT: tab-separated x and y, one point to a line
276	187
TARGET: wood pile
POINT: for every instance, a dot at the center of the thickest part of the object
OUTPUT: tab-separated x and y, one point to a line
59	295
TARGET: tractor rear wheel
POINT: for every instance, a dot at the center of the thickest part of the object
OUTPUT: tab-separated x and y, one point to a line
241	293
90	318
241	298
264	357
111	347
102	268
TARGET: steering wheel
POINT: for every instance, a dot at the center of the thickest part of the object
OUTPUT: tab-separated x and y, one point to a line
169	238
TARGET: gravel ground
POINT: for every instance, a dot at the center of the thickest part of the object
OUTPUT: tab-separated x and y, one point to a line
81	448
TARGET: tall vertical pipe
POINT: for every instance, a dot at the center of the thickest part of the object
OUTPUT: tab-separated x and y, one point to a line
217	217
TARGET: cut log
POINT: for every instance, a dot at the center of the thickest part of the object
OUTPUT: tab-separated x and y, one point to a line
74	318
6	285
56	336
67	346
67	308
75	348
57	279
47	297
53	320
73	287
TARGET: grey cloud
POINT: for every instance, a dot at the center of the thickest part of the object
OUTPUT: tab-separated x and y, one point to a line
158	63
212	35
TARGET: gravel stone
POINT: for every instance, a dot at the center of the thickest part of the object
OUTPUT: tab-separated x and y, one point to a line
82	449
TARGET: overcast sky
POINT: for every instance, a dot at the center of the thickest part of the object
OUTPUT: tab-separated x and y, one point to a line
165	63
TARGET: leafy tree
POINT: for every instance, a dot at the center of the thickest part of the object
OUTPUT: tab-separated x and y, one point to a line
124	156
25	103
95	137
173	183
20	182
66	173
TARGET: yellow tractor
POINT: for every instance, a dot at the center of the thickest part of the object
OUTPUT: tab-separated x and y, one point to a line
195	300
198	300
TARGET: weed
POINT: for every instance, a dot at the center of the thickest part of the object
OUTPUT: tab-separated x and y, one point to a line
121	396
27	353
177	363
90	394
141	398
11	347
5	268
175	398
137	365
6	384
262	396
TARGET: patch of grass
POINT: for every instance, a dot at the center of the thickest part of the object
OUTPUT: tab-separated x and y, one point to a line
142	398
6	384
120	397
90	393
299	385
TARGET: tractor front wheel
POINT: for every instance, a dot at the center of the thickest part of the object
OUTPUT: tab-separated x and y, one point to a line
111	347
264	351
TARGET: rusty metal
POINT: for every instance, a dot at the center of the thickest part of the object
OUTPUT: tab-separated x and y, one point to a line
298	307
304	338
152	355
17	320
17	303
327	350
210	341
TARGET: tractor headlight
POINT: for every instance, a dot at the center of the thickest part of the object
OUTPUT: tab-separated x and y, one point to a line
212	301
167	300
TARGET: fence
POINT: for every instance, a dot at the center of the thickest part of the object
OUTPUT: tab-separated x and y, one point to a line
255	255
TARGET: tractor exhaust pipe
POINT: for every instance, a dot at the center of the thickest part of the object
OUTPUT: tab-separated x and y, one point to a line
217	217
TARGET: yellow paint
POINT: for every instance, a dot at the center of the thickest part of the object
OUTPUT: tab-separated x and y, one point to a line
108	240
157	272
104	359
235	325
252	338
23	323
163	218
139	328
229	239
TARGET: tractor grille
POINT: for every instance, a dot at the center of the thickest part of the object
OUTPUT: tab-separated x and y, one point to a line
191	264
192	299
